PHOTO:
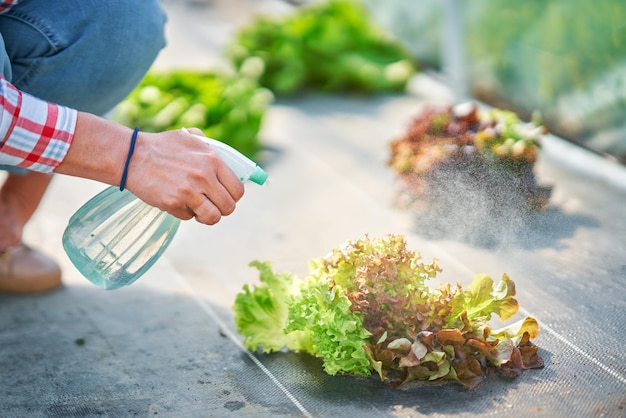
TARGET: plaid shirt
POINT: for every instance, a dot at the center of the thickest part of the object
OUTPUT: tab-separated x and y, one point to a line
6	5
34	134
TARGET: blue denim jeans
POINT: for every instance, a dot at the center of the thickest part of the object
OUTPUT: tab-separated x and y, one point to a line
86	54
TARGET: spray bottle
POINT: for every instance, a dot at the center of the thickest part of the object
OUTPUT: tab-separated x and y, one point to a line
115	237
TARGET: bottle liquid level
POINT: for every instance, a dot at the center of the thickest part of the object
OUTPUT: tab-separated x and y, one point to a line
115	238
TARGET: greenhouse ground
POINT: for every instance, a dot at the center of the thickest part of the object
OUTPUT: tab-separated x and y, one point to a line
166	346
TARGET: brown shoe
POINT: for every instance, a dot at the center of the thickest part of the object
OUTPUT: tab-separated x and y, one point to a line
24	270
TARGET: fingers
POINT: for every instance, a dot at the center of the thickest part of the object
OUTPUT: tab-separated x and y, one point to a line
195	131
183	213
210	199
222	193
231	183
208	212
181	174
227	178
203	210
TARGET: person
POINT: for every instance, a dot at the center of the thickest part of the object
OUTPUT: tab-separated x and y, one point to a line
63	66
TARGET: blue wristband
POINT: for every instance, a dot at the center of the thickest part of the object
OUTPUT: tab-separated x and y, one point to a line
133	139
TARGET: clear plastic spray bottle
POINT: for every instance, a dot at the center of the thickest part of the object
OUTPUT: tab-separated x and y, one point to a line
115	237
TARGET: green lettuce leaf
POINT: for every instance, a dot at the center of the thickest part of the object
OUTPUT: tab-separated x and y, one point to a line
482	299
336	333
261	312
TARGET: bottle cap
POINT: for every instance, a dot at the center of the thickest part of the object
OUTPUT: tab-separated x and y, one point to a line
258	176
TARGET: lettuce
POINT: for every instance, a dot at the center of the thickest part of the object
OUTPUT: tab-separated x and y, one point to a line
367	308
332	46
467	156
262	312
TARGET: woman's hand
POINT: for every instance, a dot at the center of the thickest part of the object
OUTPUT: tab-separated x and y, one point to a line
173	170
178	173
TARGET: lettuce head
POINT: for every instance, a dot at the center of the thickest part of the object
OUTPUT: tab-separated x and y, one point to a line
367	307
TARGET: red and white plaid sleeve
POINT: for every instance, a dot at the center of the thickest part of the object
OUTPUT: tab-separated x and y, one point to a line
6	5
34	134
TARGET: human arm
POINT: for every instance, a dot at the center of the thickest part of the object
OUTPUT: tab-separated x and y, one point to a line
172	170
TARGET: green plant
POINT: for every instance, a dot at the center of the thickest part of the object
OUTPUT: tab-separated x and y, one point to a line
229	108
330	46
367	308
456	150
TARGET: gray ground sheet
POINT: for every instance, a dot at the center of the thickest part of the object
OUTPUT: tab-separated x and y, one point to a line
167	346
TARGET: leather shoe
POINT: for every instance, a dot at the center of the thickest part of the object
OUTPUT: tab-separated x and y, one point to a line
24	270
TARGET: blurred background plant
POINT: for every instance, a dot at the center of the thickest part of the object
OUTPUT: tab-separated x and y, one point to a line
492	150
468	173
333	46
330	45
564	58
227	107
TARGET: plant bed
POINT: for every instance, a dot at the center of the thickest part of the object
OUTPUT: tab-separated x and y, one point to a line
332	46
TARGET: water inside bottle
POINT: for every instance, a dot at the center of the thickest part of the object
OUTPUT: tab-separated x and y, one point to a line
115	238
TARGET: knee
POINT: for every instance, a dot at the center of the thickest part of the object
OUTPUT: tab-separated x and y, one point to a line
118	51
94	63
135	31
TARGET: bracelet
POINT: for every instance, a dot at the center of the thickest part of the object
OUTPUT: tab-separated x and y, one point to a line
133	139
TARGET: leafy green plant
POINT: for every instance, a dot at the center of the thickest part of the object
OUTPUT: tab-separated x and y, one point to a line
460	149
367	308
229	108
331	46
